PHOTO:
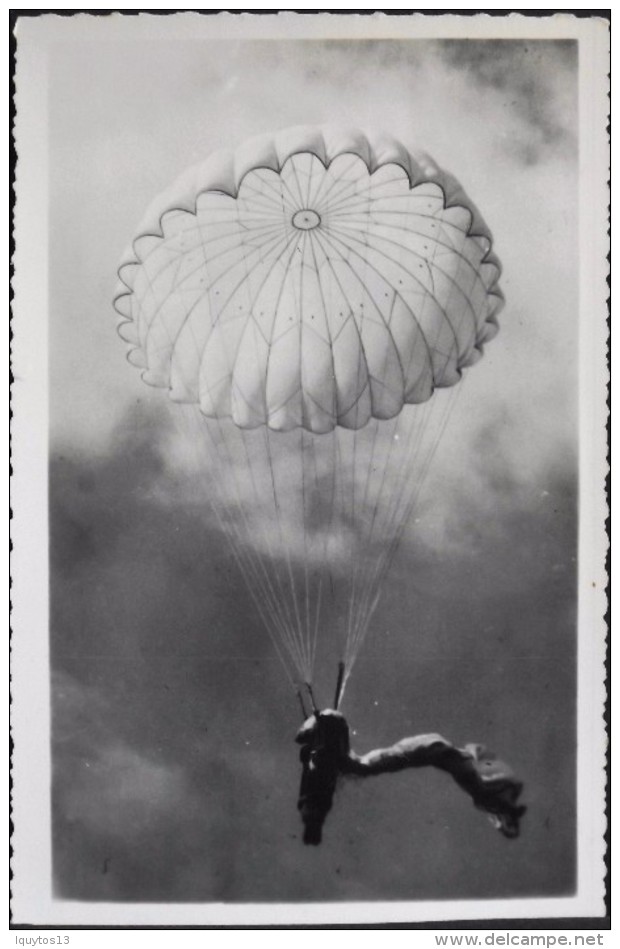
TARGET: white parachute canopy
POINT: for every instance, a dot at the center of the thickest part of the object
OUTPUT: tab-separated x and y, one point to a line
302	299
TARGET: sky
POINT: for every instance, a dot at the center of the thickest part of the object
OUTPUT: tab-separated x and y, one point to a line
175	771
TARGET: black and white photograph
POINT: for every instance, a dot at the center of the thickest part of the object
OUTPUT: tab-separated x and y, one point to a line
309	460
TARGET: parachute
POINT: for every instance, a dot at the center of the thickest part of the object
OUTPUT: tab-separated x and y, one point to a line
303	301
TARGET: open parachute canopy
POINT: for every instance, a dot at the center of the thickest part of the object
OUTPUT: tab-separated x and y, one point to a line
294	296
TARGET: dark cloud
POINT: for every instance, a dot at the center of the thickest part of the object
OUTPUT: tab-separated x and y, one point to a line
175	774
523	73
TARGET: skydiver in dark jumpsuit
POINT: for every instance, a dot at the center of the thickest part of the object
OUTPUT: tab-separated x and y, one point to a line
324	740
326	755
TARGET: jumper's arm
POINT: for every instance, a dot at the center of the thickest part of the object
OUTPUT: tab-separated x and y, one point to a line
490	782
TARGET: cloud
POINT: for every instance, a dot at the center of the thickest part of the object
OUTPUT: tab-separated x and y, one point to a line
111	787
532	79
115	805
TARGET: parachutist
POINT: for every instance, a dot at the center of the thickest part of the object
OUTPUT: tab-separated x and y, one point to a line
324	738
326	755
350	373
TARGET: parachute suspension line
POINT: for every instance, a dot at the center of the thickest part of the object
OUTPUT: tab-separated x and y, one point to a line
364	623
234	542
304	714
317	611
388	555
339	468
368	538
413	501
265	533
353	522
309	503
360	550
285	544
315	709
453	397
335	456
413	448
448	411
287	627
288	623
377	503
307	638
284	594
339	684
257	499
348	666
374	575
379	498
248	564
282	598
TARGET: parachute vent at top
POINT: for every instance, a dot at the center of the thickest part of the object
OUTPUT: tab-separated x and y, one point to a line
316	278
